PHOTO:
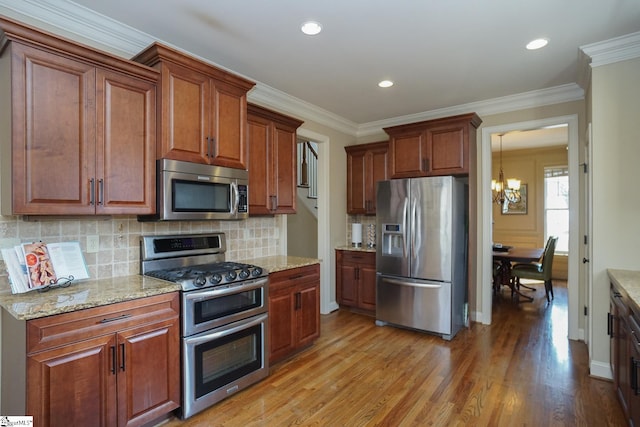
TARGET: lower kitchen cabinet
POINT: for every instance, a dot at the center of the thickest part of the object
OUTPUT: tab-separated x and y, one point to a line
294	310
116	365
356	279
624	330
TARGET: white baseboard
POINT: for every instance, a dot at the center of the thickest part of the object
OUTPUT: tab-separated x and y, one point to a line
600	370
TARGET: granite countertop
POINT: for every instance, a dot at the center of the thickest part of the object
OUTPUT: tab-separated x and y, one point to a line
352	248
281	262
95	293
629	281
81	295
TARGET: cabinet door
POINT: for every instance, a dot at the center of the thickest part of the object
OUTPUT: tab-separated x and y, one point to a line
284	165
260	164
228	122
448	150
378	171
367	286
308	313
356	181
281	324
148	372
74	385
347	285
126	137
408	155
185	114
53	132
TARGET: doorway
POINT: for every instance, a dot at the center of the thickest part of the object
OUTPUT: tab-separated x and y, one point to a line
327	297
484	287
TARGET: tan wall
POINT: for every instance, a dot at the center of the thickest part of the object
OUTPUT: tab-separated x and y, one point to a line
615	109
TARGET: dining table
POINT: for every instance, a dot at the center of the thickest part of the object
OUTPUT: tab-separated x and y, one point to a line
506	256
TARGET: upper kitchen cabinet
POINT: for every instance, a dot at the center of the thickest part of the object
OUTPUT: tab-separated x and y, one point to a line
203	109
432	147
77	128
366	165
272	162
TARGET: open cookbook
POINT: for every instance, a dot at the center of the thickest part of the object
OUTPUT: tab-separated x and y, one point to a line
38	265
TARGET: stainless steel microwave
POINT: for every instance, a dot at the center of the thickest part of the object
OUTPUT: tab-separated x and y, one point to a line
195	192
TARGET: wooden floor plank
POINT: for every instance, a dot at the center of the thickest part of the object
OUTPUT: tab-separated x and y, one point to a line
520	371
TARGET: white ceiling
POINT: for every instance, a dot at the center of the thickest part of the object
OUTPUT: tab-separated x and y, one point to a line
440	53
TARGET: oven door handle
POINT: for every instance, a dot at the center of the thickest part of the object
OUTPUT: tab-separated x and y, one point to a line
225	330
245	286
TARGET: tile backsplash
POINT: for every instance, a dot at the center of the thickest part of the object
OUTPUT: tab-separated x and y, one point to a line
119	250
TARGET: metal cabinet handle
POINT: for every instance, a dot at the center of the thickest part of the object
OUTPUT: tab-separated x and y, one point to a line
122	357
610	325
100	191
92	191
113	319
635	364
113	359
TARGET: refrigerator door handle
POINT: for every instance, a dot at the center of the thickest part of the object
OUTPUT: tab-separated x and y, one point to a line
404	227
414	228
431	285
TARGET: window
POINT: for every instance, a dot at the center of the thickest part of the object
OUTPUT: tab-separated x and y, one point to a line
556	206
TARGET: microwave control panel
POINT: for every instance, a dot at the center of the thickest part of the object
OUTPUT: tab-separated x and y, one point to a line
243	199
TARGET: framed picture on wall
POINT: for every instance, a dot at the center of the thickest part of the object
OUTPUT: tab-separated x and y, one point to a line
518	208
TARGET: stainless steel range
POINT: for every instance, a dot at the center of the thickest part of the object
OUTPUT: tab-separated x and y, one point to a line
224	315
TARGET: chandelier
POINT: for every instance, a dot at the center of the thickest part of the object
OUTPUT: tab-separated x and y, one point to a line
505	193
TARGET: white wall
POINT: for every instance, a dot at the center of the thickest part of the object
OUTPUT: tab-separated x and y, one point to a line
616	198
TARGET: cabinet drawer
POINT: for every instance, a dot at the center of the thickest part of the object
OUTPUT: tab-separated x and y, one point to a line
61	329
294	276
358	257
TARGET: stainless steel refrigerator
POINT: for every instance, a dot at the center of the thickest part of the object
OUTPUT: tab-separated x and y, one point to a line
421	254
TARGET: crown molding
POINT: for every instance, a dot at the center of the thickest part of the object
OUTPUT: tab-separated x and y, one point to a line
504	104
267	96
613	50
70	19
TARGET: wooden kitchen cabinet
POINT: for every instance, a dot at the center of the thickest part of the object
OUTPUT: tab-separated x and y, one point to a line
116	365
356	279
366	165
202	110
272	162
82	129
624	330
433	147
294	310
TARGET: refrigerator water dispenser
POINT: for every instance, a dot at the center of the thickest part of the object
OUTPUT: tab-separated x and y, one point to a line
392	240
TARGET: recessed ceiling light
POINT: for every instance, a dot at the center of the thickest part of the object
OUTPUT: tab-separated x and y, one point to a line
385	83
537	44
311	28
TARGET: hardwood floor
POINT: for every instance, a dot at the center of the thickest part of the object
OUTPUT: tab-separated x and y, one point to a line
520	371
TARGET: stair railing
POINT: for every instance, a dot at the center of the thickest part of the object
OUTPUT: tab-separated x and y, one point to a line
308	170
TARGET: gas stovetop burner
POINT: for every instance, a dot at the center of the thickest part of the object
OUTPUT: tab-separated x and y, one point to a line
193	260
199	276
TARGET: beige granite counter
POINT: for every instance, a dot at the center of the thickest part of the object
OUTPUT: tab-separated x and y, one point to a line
352	248
95	293
629	281
81	295
281	262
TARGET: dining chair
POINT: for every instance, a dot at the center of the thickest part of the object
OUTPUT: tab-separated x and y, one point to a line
538	270
497	277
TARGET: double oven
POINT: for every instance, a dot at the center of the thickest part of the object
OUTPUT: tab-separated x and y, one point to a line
224	319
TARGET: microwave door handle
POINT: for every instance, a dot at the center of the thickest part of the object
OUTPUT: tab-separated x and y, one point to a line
235	198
